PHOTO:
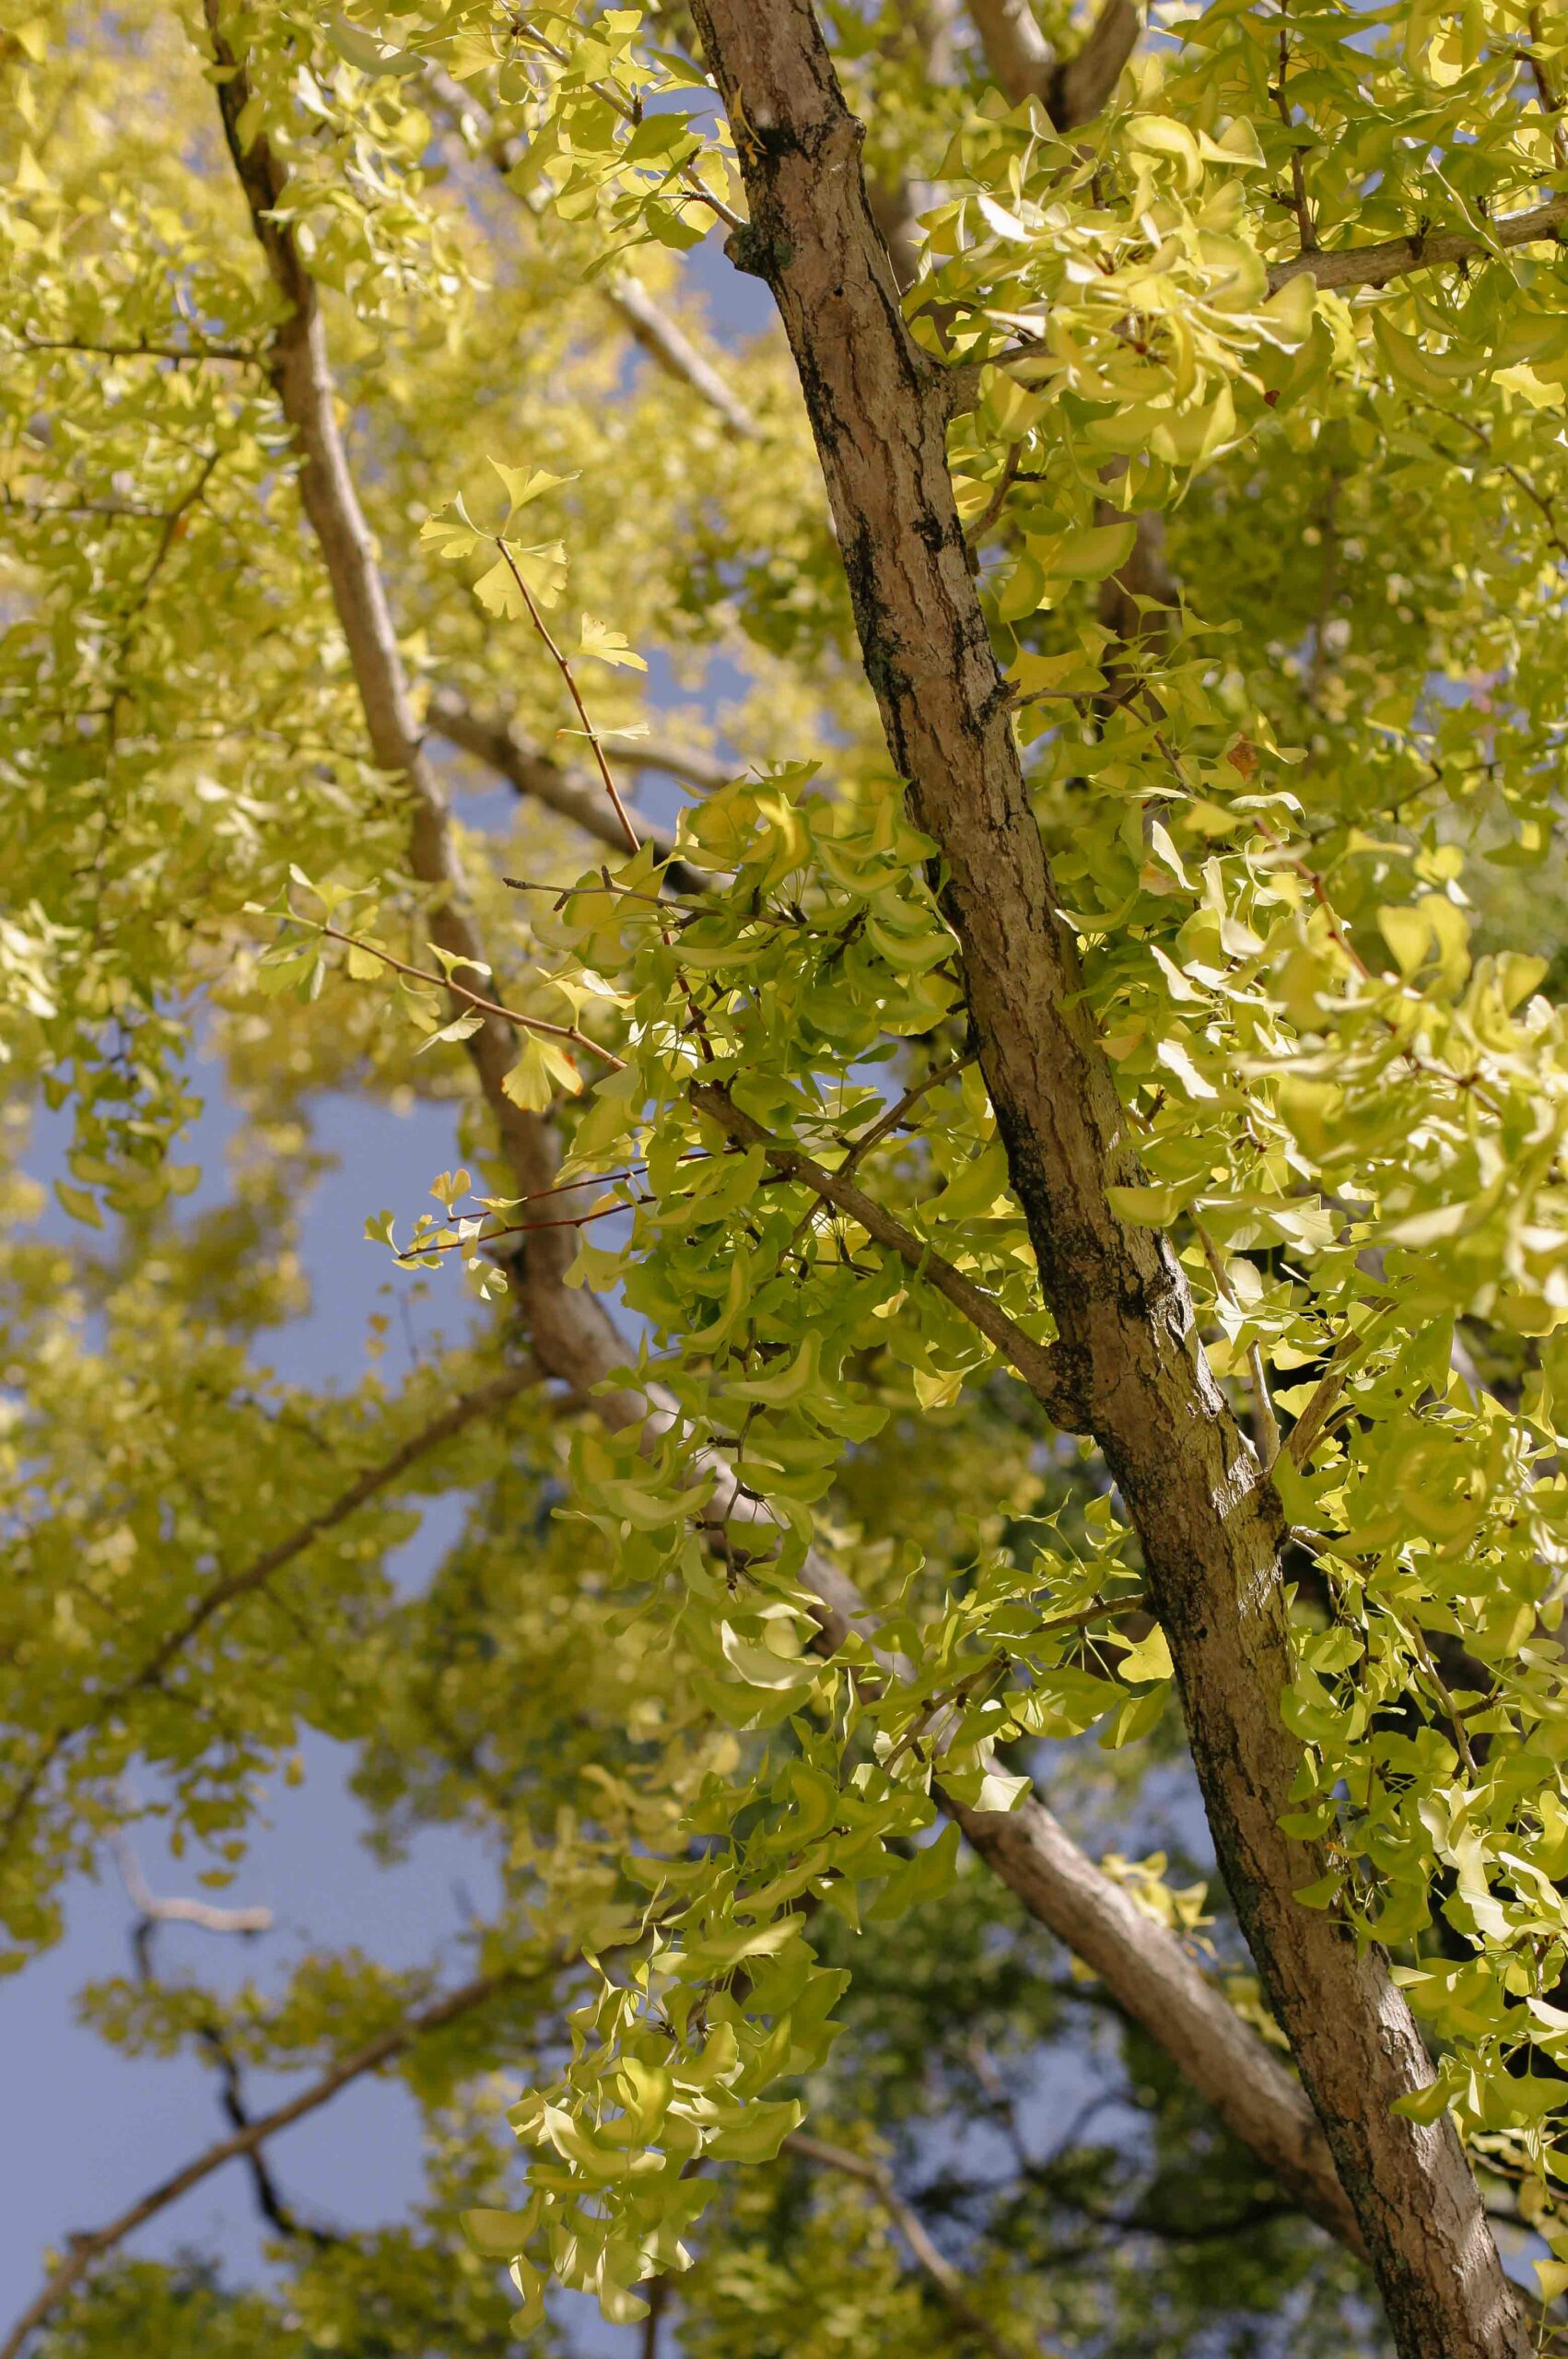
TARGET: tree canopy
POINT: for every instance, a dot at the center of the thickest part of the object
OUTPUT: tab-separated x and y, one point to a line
1009	1237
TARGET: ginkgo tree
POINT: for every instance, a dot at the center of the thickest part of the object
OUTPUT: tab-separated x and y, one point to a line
1022	1241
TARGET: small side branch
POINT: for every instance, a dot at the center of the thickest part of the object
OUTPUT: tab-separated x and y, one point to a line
1034	1362
1307	227
669	346
1350	267
231	1587
932	2262
527	767
85	2249
1155	1980
152	1912
179	1910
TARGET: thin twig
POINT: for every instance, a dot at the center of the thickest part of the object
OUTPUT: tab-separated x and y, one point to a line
687	912
634	841
1517	476
153	1912
476	1000
416	1253
1451	1712
622	813
889	1122
180	1912
996	503
1306	227
1551	98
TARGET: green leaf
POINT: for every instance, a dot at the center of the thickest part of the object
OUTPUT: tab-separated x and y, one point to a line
1150	1658
522	485
79	1202
1087	556
364	51
542	1072
608	646
1149	1207
496	2236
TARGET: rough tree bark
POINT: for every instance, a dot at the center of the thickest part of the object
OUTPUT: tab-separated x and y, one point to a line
1209	1520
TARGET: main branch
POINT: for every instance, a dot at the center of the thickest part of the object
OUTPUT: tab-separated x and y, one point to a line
1209	1523
573	1338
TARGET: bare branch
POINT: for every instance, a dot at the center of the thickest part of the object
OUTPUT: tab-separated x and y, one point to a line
1343	1361
483	735
658	2302
205	1913
1306	226
85	2249
501	745
463	1411
632	841
271	2202
153	1912
1156	1981
667	344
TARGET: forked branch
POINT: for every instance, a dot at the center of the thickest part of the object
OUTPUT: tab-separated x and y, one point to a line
1024	65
